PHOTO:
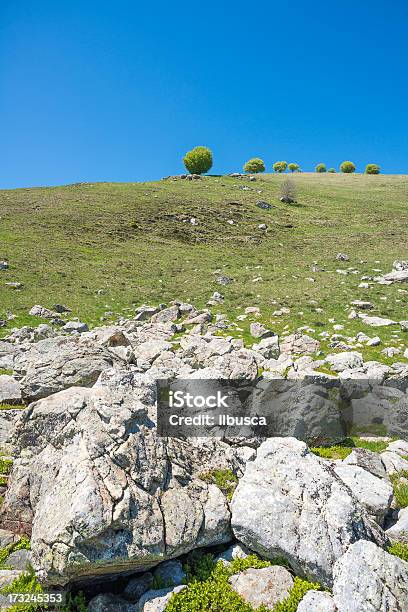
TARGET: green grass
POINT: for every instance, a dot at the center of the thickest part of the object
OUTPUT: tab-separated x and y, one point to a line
23	543
399	550
224	479
400	485
342	450
12	406
5	465
129	240
5	371
208	587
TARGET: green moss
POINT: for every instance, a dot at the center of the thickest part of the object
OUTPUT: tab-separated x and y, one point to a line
209	589
5	371
12	406
375	446
23	543
399	550
331	452
400	488
5	465
224	479
342	450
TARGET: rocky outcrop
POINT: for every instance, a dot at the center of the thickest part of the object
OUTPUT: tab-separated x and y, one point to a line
290	503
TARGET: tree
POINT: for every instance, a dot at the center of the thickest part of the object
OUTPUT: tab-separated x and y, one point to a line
199	160
293	167
332	170
320	168
254	165
280	166
288	191
347	167
372	169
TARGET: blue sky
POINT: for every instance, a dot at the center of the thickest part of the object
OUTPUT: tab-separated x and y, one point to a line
118	91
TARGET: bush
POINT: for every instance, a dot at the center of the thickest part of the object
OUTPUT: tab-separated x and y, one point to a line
399	550
254	165
372	169
288	191
293	167
347	167
198	160
332	170
280	166
320	168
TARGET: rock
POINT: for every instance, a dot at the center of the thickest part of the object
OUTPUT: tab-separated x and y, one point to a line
204	317
345	361
362	305
399	531
171	573
137	586
156	601
287	199
14	285
400	265
41	311
263	205
7	576
107	602
398	446
266	586
100	491
166	315
19	560
377	321
372	492
367	578
252	310
317	601
58	363
144	313
151	349
368	460
257	330
43	331
74	327
404	325
300	344
60	308
290	503
10	391
398	276
376	341
7	538
342	257
8	420
216	298
236	551
223	280
8	353
262	226
4	265
393	462
268	347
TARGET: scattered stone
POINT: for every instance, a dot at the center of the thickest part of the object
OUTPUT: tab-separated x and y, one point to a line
60	308
342	257
223	280
377	321
75	327
300	344
14	285
10	390
156	601
268	347
257	330
4	265
41	311
266	586
376	341
393	462
262	226
256	311
362	305
398	276
19	560
263	205
404	325
399	446
368	460
345	361
317	601
107	602
236	551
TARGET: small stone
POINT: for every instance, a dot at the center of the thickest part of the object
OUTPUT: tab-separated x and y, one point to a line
257	330
362	305
266	586
262	226
75	327
4	265
342	257
263	205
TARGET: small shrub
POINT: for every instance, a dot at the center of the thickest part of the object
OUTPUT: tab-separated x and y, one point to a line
288	191
224	479
199	160
332	170
280	166
347	167
254	165
399	550
26	583
74	603
320	168
400	488
293	167
5	465
372	169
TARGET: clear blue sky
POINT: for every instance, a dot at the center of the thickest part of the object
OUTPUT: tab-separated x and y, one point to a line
119	90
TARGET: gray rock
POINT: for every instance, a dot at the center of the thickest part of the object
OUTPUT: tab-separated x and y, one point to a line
317	601
266	586
43	331
156	601
74	327
41	311
367	578
397	276
58	363
8	576
362	305
300	344
291	503
377	321
342	257
10	391
399	531
263	205
345	361
268	347
400	265
88	458
19	560
137	586
393	462
398	446
171	573
257	330
372	492
107	602
221	279
404	325
8	353
368	460
236	551
166	315
144	313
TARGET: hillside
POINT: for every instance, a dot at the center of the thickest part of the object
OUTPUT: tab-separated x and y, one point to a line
109	247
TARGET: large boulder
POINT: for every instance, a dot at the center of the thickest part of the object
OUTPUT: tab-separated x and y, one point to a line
55	364
266	586
291	503
10	392
370	579
100	492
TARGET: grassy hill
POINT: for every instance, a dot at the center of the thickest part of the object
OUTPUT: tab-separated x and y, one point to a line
108	247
